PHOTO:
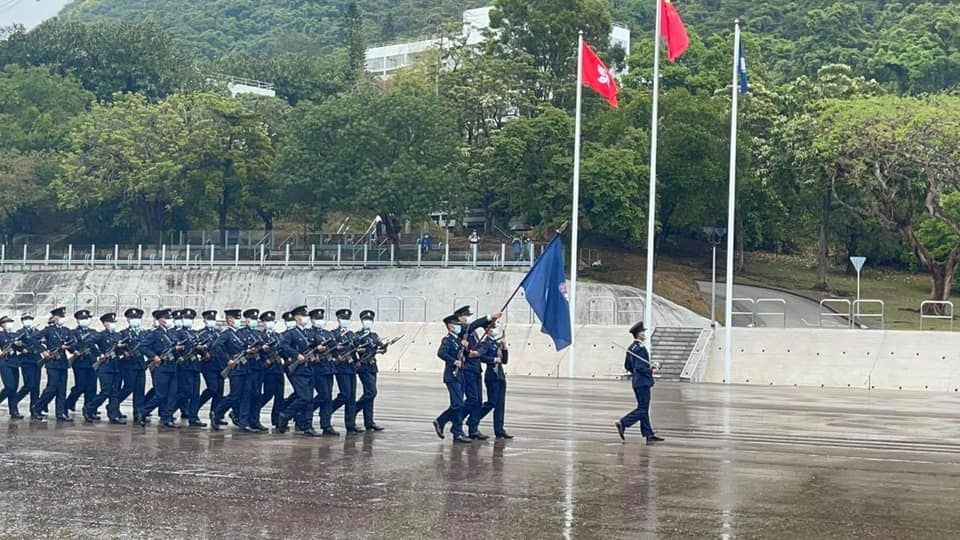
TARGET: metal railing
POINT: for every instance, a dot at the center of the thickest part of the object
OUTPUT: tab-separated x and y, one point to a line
859	315
752	313
758	315
826	312
696	356
938	314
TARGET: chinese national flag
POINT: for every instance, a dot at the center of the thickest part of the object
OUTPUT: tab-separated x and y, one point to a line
671	28
597	76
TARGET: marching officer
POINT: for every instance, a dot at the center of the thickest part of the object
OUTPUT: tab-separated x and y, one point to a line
451	352
472	385
234	352
324	370
133	366
161	347
107	369
494	355
188	370
294	347
637	362
370	346
29	359
346	373
210	366
258	367
273	369
84	379
56	341
9	365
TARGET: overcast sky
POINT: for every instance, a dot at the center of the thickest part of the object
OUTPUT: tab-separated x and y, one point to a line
29	12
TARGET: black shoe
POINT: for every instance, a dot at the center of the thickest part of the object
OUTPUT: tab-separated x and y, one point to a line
330	432
262	428
36	417
118	421
43	414
479	436
171	425
621	430
375	428
653	439
234	418
221	422
16	416
248	429
122	416
64	419
506	436
462	439
142	420
438	428
198	424
354	429
87	419
96	416
310	433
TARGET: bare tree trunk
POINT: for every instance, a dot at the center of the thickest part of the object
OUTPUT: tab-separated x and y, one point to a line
822	244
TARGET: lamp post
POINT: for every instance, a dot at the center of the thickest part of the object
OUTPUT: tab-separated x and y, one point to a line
715	237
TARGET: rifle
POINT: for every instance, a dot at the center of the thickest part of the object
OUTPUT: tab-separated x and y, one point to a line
370	357
9	348
169	355
111	354
239	359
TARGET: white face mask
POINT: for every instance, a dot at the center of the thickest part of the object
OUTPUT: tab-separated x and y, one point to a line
83	323
177	323
269	325
188	323
291	324
317	323
28	323
59	322
252	324
344	323
455	329
367	324
211	324
496	333
235	324
8	326
134	323
307	323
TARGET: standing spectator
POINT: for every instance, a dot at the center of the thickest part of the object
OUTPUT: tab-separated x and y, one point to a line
427	242
474	244
517	245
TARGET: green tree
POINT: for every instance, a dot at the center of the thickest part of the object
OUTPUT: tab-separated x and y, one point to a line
353	36
38	109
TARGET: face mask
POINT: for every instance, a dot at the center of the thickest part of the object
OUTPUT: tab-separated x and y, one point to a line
252	325
344	324
8	326
59	322
317	323
188	323
211	324
235	324
307	323
456	328
177	323
291	324
496	333
83	323
367	325
28	323
134	323
270	325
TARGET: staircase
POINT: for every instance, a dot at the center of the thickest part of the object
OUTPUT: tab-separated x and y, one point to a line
671	347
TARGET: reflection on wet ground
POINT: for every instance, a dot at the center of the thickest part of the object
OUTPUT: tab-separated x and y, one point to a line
740	462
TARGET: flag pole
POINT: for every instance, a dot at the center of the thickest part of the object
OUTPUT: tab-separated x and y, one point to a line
731	208
575	217
652	198
524	280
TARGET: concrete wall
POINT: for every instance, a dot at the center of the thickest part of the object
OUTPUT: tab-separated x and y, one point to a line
407	294
839	358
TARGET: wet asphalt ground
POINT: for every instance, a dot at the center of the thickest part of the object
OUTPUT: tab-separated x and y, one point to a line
739	462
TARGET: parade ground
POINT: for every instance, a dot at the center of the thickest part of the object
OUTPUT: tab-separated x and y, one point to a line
738	462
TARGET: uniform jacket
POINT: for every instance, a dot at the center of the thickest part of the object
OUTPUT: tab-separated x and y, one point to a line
488	349
345	341
449	352
105	342
228	345
294	342
53	336
158	342
642	372
133	356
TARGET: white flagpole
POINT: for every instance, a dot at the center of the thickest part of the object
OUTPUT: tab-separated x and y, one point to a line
652	202
575	217
731	207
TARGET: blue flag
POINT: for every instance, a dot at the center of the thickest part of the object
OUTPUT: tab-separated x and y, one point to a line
545	287
742	68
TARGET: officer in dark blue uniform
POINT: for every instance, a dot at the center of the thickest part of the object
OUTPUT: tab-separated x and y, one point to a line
472	383
234	352
108	371
294	348
494	355
188	369
160	347
637	362
133	366
85	350
210	366
346	372
56	343
29	359
9	365
273	369
324	370
370	347
256	364
451	352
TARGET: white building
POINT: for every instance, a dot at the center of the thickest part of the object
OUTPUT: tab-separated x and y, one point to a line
387	58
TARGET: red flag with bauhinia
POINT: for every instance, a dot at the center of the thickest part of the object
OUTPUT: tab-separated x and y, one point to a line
597	76
671	28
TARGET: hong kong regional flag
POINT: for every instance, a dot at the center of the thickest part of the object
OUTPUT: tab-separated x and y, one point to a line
597	76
